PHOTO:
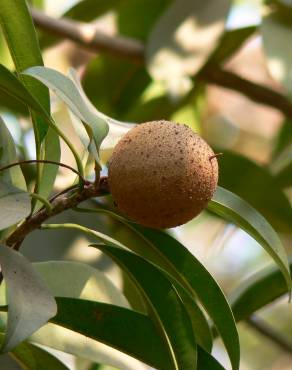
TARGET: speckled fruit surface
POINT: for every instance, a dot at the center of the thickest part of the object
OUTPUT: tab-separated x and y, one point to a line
162	174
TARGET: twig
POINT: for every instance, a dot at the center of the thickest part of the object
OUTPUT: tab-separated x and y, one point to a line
87	36
270	333
30	161
256	92
59	205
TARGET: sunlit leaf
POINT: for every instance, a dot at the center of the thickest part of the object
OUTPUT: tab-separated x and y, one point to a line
30	303
236	210
184	37
15	205
68	91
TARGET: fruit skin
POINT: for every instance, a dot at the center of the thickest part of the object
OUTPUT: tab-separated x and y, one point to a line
161	174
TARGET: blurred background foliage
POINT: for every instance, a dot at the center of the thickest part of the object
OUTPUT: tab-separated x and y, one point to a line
256	140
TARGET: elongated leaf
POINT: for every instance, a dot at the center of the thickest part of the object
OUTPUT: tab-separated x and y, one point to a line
67	90
234	209
14	175
184	37
77	280
230	43
20	35
126	330
258	187
32	357
10	85
15	205
143	15
164	305
30	303
85	10
206	361
52	152
258	291
166	252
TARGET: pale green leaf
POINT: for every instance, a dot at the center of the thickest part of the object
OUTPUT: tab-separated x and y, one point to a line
8	155
15	205
67	90
30	303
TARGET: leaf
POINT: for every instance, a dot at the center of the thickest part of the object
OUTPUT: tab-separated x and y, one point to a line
15	205
163	303
257	292
121	328
234	209
256	186
9	84
123	83
184	37
143	15
207	362
12	176
230	43
278	54
52	152
78	280
68	91
166	252
30	303
21	37
85	10
32	357
192	274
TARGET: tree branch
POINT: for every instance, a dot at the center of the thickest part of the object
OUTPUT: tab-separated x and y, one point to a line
59	205
87	36
266	330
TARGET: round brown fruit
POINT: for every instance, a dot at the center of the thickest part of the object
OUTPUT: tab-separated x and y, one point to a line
162	174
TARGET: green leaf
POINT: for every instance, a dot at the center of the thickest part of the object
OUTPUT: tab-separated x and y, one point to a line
70	93
207	362
121	328
78	280
123	83
30	303
52	152
11	86
21	37
15	205
32	357
234	209
278	54
85	10
163	303
184	37
258	187
230	43
186	269
143	15
257	292
166	252
12	176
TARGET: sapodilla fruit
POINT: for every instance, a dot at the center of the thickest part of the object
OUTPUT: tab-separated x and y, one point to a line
162	174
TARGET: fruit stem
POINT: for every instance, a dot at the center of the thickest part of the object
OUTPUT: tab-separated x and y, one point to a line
215	156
